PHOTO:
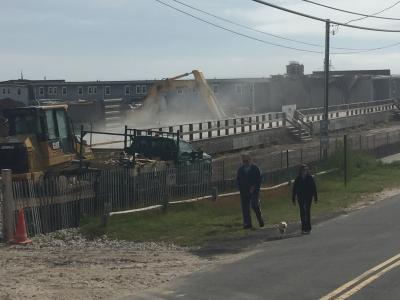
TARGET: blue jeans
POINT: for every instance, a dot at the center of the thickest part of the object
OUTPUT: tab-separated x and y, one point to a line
252	201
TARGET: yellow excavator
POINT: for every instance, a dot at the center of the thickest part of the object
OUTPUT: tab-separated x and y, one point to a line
154	101
41	141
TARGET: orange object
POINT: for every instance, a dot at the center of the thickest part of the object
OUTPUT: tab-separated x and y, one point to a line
21	237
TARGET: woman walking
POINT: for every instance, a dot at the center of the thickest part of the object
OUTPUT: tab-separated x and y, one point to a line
304	190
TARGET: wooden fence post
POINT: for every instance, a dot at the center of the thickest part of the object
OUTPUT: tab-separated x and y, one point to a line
287	167
8	213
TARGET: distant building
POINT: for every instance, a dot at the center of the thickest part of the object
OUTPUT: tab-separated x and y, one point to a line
237	95
31	91
294	69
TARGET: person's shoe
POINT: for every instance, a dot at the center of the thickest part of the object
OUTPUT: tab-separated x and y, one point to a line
305	232
262	223
247	227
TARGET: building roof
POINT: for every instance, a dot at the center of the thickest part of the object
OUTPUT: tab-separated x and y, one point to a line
26	81
355	72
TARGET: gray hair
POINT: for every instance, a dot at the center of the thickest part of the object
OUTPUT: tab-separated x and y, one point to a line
245	155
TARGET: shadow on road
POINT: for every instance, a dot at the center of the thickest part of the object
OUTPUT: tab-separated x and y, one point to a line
240	244
254	238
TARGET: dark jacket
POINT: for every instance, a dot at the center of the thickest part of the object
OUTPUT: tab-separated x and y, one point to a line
304	189
247	179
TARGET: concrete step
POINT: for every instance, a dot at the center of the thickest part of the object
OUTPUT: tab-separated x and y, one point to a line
112	112
304	134
112	119
112	100
306	140
112	106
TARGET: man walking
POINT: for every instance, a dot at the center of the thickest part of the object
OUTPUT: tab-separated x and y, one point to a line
249	182
304	190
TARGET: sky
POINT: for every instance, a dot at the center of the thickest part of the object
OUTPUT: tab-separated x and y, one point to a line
80	40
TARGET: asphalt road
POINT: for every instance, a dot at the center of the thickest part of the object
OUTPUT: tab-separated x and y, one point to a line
306	267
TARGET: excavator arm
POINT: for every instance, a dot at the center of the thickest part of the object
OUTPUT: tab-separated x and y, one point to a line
152	102
208	95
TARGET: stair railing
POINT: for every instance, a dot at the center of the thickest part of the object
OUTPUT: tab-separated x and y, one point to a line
300	118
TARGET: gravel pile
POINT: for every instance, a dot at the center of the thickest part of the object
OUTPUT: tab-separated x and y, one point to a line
65	265
72	239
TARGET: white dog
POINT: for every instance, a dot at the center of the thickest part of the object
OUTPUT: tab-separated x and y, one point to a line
282	226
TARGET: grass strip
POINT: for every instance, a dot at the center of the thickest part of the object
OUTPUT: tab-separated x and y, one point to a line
200	222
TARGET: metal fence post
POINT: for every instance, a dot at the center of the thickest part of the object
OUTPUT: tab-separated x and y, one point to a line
345	158
125	138
8	214
81	149
287	166
200	131
191	132
223	175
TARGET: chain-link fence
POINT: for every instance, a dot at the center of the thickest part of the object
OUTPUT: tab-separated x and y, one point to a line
59	202
282	165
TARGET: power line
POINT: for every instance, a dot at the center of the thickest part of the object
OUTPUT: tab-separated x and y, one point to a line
279	36
323	20
261	40
350	12
248	27
235	32
374	14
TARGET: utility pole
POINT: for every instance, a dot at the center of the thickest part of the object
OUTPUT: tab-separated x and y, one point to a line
324	124
253	100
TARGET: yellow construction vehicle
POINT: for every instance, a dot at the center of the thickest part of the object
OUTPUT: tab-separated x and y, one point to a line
157	98
40	141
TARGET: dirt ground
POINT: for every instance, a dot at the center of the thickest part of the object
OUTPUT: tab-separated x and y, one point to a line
64	265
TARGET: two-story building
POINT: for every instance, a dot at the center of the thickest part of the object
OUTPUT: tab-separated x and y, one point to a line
236	95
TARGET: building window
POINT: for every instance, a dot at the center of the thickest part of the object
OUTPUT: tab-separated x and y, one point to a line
179	90
107	90
50	90
55	91
80	90
41	91
127	90
144	89
92	90
19	91
215	88
4	91
138	89
64	91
